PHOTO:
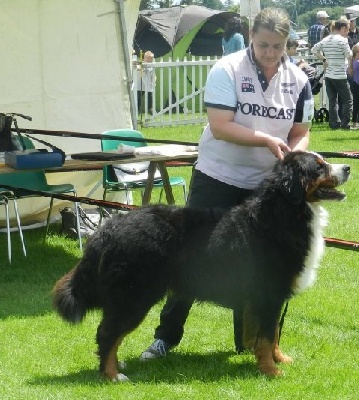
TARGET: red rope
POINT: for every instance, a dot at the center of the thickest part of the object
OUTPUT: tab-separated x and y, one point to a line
342	244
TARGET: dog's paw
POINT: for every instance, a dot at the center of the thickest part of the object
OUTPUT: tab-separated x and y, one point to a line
120	378
280	357
270	371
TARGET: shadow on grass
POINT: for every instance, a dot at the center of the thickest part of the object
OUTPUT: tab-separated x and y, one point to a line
27	282
176	368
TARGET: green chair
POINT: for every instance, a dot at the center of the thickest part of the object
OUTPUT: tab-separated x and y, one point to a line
36	180
130	181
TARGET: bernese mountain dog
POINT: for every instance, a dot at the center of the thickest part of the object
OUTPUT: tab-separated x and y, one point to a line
253	257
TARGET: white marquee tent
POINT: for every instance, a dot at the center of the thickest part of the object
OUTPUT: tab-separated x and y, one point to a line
67	64
352	9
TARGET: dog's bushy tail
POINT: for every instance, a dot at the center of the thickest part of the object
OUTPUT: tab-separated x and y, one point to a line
75	293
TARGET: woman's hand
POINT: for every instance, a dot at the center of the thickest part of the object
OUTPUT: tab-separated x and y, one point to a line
277	146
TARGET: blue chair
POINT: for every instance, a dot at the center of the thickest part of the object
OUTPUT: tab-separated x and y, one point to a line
131	180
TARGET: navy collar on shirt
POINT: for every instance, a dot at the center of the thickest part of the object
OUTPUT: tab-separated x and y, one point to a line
261	77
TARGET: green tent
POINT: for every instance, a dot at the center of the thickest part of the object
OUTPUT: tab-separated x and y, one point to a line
179	31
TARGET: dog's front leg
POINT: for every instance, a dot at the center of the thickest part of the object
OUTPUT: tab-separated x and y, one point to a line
278	356
108	345
263	352
256	330
109	367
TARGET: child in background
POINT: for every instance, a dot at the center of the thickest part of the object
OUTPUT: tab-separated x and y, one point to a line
291	50
146	82
353	72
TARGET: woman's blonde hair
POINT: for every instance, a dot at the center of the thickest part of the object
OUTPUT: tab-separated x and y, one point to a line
355	49
273	19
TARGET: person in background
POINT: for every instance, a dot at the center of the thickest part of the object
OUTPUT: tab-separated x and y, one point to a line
335	52
315	31
232	38
146	82
328	29
353	35
353	72
292	46
259	106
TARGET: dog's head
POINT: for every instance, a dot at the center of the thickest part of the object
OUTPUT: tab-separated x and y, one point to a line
306	176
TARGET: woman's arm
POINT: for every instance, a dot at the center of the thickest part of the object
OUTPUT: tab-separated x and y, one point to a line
298	138
224	128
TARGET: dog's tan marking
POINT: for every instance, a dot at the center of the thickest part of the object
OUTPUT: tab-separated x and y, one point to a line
111	364
278	356
264	355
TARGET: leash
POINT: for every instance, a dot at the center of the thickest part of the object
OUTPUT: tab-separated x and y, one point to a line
74	199
54	148
281	322
97	136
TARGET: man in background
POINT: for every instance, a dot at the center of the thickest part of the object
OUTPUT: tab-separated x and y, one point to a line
315	31
353	36
335	53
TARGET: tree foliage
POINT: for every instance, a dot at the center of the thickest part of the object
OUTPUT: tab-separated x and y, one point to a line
301	12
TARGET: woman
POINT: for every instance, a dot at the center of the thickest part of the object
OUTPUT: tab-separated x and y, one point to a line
232	40
353	75
259	106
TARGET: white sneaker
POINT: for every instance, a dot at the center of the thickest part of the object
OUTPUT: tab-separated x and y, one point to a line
159	348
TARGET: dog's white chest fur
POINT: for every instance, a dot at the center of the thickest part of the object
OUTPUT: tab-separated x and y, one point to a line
316	249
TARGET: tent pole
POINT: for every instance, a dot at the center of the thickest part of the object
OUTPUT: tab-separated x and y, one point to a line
128	61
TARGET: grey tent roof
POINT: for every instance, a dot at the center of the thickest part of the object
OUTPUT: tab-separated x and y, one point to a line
161	29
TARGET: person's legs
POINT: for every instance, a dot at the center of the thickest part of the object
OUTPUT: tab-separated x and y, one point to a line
332	94
345	99
355	93
205	192
139	101
150	102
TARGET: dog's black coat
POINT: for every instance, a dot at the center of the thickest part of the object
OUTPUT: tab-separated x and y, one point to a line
247	258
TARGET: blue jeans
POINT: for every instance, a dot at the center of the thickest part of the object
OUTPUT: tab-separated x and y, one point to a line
210	193
339	90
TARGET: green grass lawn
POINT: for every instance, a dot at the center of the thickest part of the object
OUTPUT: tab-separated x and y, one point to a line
41	357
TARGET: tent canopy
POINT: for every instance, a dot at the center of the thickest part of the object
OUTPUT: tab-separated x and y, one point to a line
64	64
177	30
353	9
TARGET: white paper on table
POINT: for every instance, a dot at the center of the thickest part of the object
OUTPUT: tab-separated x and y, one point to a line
165	150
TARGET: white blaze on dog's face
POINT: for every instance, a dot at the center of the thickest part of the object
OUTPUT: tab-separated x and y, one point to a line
327	179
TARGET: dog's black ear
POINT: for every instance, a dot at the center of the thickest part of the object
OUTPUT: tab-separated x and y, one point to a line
292	185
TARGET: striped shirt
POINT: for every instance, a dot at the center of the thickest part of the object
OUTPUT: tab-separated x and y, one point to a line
336	50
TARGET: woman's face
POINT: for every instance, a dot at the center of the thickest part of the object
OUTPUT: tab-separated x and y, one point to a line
268	47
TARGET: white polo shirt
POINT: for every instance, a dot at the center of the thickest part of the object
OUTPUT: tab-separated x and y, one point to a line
236	83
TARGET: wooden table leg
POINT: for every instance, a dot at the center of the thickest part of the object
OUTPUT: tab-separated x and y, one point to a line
150	179
149	183
166	182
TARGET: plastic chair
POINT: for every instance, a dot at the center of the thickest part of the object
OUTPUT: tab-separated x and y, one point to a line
4	200
113	182
36	180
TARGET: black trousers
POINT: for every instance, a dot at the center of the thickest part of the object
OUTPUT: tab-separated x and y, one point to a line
210	193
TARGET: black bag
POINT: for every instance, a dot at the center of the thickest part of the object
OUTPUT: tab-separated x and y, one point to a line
8	141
